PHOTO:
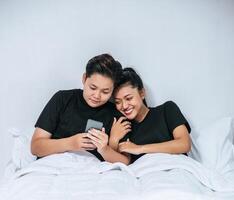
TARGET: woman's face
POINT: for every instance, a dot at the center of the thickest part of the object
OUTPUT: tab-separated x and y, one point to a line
97	89
129	101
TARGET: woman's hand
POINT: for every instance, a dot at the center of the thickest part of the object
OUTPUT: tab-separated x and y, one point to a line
129	147
81	142
119	129
99	139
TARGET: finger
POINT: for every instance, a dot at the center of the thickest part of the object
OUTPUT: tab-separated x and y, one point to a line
100	135
126	131
93	130
83	135
90	146
97	144
93	138
122	143
99	141
94	134
121	149
127	126
100	132
121	119
86	140
103	137
114	121
125	123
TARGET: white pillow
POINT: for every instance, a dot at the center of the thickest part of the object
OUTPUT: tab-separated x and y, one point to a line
213	146
21	153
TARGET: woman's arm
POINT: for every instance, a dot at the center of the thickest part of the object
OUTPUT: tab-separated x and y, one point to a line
100	140
42	144
180	144
110	155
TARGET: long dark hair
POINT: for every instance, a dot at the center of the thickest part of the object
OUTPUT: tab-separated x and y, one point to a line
105	65
130	77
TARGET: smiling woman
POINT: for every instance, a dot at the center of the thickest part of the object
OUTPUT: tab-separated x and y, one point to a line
162	129
61	125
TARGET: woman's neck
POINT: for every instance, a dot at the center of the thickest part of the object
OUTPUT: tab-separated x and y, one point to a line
142	113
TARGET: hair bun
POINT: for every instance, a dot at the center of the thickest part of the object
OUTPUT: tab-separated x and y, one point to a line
129	69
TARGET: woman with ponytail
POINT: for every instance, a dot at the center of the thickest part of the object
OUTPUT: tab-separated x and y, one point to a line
161	129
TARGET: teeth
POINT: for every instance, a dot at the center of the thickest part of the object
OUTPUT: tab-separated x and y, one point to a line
128	111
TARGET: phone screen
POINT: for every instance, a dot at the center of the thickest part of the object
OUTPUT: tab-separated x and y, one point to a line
93	124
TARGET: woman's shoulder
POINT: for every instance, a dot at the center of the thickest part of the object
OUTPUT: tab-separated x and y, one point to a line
65	95
170	104
166	105
69	92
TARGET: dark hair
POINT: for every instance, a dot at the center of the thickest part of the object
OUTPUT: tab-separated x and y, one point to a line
106	65
130	77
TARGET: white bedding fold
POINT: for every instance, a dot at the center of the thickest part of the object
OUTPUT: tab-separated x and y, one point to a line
71	163
161	162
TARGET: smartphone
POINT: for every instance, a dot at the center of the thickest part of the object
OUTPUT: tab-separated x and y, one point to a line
93	124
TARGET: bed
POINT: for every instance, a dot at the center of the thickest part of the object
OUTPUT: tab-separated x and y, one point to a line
207	173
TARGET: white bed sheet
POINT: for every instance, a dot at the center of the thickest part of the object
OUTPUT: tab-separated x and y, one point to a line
82	176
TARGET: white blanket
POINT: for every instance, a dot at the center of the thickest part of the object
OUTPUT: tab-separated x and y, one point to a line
82	176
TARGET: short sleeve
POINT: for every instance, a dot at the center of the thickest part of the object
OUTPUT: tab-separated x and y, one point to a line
49	117
174	117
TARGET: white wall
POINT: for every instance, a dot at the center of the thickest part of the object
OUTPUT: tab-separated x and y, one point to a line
182	48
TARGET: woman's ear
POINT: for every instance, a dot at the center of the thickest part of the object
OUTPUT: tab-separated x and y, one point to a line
84	78
142	93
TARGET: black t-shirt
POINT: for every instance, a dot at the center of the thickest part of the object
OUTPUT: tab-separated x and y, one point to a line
157	126
67	112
